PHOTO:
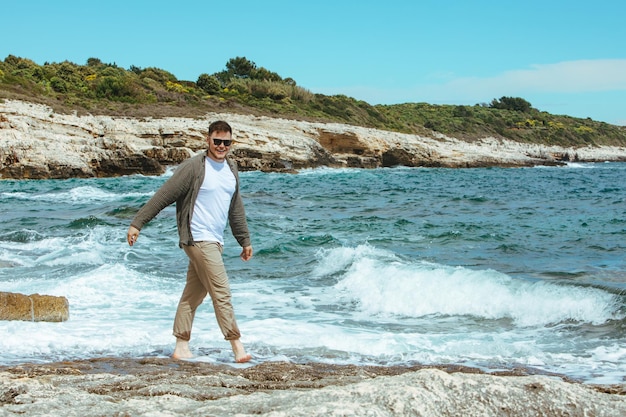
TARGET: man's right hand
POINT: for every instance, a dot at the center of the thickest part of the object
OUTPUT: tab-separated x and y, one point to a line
132	235
246	253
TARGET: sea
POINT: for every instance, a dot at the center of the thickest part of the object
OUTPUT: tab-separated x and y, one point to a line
493	268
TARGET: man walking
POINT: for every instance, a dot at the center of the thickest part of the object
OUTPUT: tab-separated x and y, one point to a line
205	189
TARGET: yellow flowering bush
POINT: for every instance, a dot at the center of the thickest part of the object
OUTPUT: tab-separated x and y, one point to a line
177	87
583	129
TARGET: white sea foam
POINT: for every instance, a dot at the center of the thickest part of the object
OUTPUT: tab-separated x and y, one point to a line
113	311
580	165
378	303
119	311
82	194
417	289
86	247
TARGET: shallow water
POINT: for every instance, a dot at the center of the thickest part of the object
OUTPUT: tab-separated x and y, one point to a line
483	267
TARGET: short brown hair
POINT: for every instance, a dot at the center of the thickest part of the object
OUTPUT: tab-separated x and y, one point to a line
220	126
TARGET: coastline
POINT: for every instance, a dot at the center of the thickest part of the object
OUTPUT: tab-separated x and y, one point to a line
166	387
71	146
37	143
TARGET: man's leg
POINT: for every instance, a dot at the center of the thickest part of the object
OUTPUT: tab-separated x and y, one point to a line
192	296
212	273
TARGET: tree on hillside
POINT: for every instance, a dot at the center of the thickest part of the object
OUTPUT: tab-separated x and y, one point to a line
511	103
263	74
243	69
236	68
240	67
94	62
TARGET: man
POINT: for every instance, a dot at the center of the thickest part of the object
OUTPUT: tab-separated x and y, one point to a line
206	191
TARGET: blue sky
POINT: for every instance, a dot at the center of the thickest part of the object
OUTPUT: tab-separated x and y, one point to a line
564	57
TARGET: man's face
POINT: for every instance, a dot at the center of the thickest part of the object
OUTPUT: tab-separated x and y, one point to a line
218	152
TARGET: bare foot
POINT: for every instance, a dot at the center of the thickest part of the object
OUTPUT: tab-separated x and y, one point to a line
240	352
244	359
181	351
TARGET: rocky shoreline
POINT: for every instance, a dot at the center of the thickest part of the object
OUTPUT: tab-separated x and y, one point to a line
166	387
37	143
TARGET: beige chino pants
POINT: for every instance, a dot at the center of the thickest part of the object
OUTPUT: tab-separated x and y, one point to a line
206	274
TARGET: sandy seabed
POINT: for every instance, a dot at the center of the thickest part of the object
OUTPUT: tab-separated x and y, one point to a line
166	387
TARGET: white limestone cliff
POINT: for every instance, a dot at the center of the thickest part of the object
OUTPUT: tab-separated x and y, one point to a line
37	143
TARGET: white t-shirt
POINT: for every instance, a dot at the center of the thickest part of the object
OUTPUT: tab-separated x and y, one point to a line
210	211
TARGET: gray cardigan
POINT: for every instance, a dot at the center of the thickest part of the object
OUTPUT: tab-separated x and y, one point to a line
182	188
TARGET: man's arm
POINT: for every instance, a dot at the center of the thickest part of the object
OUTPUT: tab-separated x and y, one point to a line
169	192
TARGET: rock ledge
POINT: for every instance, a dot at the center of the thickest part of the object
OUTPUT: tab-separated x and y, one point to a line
37	143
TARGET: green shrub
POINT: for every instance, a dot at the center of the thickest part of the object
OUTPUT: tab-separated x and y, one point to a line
115	88
462	111
24	63
151	84
59	85
300	94
270	89
238	86
159	75
209	83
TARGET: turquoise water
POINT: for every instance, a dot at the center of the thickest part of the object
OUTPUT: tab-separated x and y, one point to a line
483	267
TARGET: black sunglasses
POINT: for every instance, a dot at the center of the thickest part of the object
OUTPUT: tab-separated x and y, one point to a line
218	142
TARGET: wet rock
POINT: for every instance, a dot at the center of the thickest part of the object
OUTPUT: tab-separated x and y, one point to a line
159	386
34	307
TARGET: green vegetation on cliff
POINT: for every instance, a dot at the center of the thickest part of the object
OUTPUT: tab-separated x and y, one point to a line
242	87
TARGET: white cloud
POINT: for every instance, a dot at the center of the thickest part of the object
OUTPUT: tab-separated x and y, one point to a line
583	76
584	88
562	77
